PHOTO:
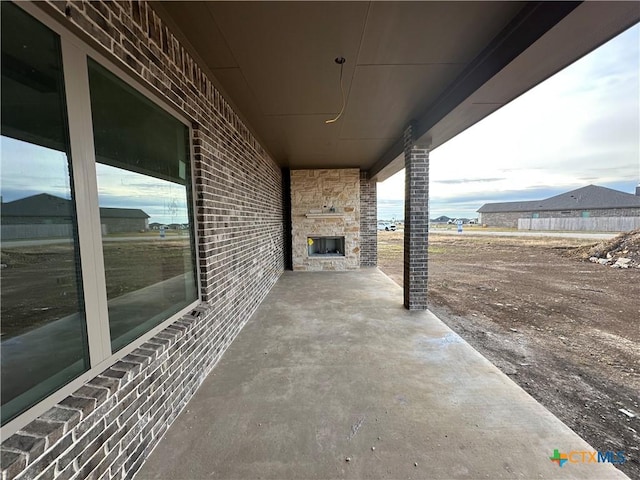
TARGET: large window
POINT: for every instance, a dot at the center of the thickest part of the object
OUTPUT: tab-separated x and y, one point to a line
97	225
44	343
143	174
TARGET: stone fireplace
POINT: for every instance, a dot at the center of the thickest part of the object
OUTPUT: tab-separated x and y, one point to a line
325	219
325	246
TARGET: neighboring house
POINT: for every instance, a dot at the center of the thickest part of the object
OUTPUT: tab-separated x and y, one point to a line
591	201
44	209
37	209
441	219
122	220
178	226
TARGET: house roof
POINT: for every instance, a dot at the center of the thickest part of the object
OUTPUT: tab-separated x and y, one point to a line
106	212
441	66
41	205
585	198
45	205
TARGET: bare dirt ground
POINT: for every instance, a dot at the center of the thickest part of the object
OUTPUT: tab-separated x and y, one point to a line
564	329
39	282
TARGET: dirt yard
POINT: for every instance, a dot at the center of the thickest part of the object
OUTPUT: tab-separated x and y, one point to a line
566	330
39	282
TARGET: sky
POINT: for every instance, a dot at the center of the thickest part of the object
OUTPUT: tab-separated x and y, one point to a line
29	169
579	127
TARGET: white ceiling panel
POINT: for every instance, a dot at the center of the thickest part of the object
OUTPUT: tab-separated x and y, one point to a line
431	32
384	98
286	50
446	65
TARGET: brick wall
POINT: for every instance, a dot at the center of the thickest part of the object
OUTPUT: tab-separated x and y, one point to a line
108	426
416	226
368	221
502	219
123	225
319	190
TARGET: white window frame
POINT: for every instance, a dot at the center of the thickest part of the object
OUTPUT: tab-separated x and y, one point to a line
75	54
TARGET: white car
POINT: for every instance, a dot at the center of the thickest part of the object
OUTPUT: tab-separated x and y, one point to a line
386	226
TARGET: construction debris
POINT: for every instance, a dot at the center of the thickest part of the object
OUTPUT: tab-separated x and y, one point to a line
622	251
628	413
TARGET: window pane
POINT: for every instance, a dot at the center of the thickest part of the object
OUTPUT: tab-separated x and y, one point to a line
44	342
145	208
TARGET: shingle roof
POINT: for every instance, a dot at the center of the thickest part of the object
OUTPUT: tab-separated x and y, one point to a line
41	205
585	198
510	207
45	205
441	218
107	212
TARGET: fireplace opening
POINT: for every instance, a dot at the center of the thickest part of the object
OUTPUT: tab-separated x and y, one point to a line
326	246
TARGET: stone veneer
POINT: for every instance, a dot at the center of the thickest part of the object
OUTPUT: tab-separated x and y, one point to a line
108	426
320	190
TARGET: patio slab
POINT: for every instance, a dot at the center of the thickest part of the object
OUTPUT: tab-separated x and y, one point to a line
333	378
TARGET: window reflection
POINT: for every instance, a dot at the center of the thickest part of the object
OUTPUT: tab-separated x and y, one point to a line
43	340
43	328
147	250
144	190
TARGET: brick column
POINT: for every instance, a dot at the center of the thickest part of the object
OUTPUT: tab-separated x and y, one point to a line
368	221
416	222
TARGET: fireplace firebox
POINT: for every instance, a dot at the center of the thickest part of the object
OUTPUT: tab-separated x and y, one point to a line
325	246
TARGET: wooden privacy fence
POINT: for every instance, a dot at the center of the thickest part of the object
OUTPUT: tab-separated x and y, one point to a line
25	232
591	224
39	230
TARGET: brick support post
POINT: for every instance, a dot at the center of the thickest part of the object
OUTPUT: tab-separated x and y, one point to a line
416	222
368	221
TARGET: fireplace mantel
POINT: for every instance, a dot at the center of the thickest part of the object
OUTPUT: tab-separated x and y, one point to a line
325	215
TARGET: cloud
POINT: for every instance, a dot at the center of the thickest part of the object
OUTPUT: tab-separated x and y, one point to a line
454	181
163	201
580	127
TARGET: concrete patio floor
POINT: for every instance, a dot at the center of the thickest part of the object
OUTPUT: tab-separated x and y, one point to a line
331	367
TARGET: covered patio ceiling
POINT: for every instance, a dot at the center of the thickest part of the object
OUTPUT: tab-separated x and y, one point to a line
442	65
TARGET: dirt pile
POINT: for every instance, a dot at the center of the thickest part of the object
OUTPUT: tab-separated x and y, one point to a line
622	251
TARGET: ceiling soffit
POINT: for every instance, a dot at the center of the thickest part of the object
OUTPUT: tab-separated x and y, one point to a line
276	62
404	61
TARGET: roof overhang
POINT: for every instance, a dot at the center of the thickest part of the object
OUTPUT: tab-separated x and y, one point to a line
442	66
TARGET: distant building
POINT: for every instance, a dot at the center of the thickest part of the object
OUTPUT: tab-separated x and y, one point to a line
441	219
45	209
587	202
464	221
118	220
37	209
